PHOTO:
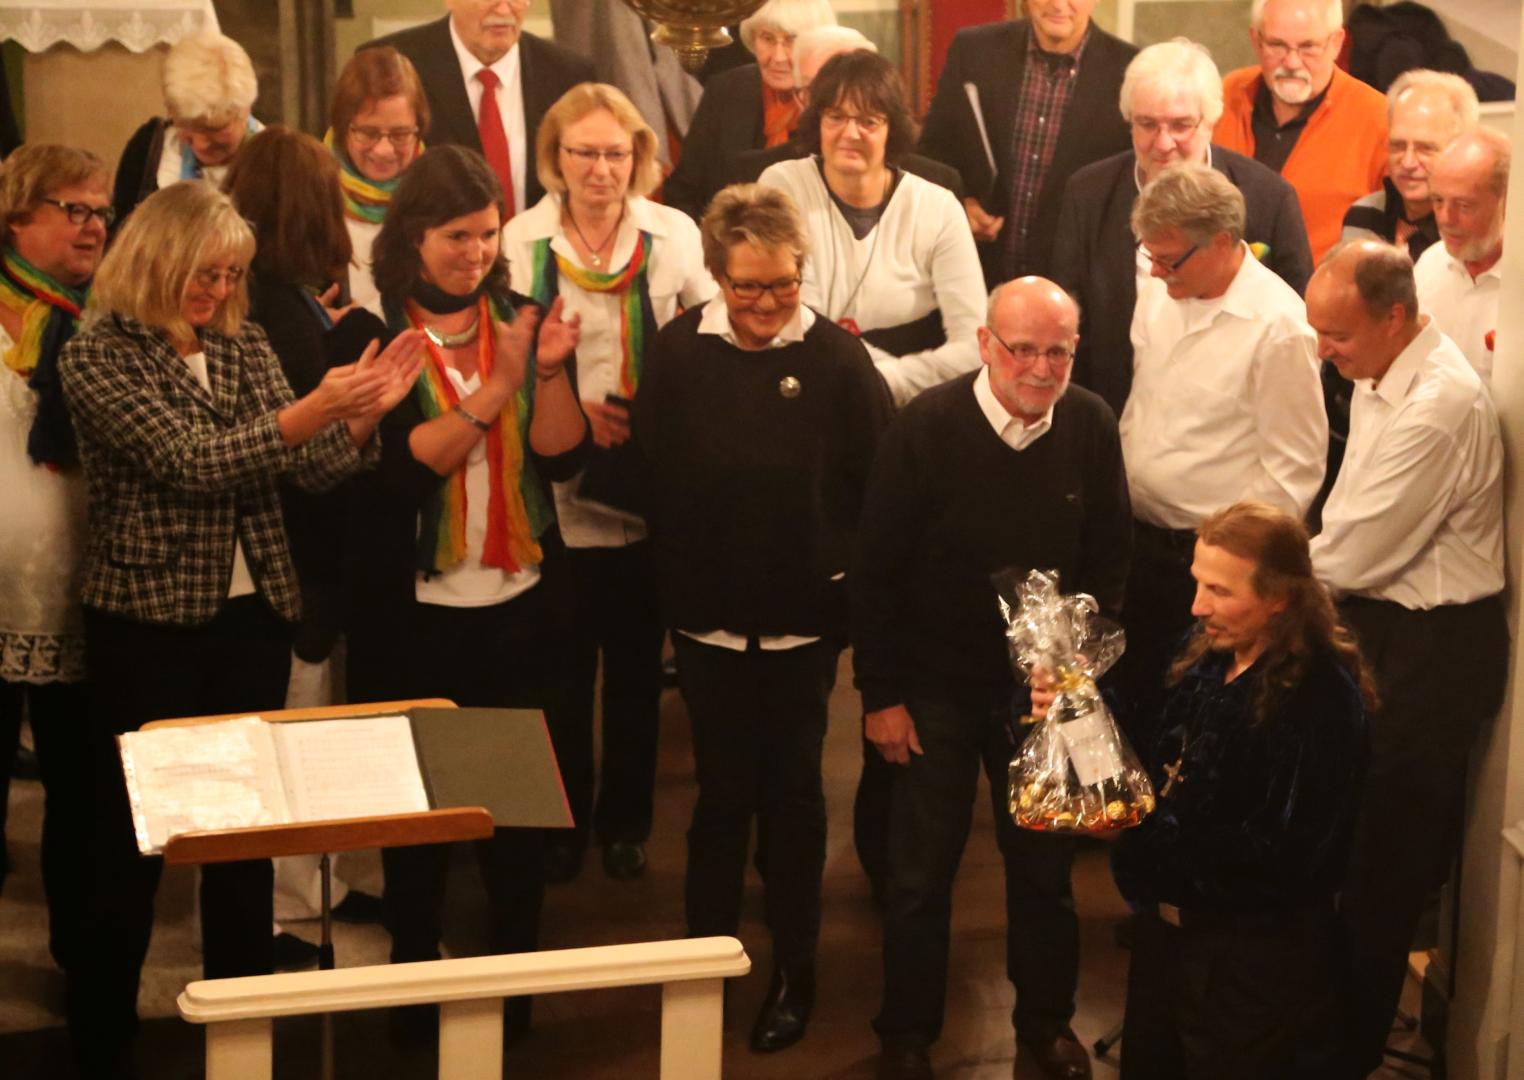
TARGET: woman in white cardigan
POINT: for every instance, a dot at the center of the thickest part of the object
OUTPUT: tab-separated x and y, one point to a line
891	256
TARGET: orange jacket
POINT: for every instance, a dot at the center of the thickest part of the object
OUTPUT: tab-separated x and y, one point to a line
1340	156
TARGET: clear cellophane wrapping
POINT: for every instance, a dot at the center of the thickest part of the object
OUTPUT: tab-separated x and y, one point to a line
1074	772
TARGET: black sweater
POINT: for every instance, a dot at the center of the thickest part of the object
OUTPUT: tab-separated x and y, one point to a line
948	505
755	495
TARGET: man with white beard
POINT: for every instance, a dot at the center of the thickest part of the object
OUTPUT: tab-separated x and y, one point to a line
1297	113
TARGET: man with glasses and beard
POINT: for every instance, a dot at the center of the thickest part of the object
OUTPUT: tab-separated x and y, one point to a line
1297	113
999	468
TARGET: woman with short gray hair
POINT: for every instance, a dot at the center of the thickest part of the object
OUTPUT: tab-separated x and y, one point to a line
209	92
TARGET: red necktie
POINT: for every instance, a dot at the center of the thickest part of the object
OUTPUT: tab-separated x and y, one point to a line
489	126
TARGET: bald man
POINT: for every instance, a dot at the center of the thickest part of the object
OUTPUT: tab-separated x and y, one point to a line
1459	280
1006	467
1412	547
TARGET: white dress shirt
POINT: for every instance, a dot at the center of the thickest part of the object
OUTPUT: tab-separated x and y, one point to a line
510	104
1465	310
469	583
1013	431
1416	516
716	320
1226	401
677	280
919	258
362	286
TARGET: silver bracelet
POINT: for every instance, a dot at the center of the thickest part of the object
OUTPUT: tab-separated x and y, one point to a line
475	421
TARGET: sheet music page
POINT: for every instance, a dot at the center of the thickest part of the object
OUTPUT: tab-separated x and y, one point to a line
350	768
201	777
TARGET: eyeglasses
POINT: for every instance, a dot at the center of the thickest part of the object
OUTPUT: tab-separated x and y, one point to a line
367	137
772	39
1178	127
1169	265
1057	356
782	289
208	279
588	156
79	213
1276	50
835	118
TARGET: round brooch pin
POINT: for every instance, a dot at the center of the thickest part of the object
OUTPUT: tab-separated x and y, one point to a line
788	386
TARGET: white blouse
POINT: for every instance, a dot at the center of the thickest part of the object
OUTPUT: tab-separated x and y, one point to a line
677	280
362	287
42	541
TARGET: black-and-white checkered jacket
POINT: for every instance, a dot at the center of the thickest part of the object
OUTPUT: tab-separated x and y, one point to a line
175	473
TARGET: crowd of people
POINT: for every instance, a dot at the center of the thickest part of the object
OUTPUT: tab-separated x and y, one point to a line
470	394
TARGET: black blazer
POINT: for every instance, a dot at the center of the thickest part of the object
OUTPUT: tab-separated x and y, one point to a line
546	71
750	164
728	121
1094	255
993	57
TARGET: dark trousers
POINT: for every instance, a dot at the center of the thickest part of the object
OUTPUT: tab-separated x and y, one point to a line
870	817
1156	615
239	662
1229	1001
619	615
509	655
931	807
759	723
1440	674
58	712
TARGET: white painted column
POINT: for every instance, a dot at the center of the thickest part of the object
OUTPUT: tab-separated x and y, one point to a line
240	1050
692	1021
1485	1017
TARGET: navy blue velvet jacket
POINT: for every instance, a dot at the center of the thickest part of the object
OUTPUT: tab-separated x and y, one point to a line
1261	817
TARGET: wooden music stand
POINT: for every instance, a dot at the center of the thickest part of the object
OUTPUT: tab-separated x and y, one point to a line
325	837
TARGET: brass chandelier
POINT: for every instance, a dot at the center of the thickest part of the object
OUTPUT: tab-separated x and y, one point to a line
693	27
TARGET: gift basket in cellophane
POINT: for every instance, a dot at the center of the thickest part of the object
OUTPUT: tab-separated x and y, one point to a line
1074	772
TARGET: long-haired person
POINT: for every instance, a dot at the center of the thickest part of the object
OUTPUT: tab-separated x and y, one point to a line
625	266
460	586
186	429
378	120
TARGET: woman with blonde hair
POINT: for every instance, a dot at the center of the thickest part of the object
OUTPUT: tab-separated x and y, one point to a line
209	92
625	266
186	426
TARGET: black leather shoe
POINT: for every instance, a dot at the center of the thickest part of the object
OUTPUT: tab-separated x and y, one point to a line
292	953
562	864
624	860
1062	1057
904	1058
358	907
785	1011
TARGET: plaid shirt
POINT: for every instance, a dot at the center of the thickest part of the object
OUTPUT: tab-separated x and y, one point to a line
176	474
1047	81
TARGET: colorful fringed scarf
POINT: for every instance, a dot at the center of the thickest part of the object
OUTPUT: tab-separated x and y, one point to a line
49	316
190	164
780	115
637	319
364	200
517	510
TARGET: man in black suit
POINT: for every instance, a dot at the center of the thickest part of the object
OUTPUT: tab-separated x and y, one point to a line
482	42
1044	88
811	51
1171	97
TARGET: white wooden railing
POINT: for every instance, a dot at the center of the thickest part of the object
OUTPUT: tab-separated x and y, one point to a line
239	1012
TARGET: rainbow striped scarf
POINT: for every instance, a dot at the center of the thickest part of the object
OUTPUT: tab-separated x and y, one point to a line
517	509
364	200
49	314
637	319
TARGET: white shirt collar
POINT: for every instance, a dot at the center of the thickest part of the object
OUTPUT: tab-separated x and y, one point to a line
716	320
506	68
1398	380
1459	268
543	220
1012	431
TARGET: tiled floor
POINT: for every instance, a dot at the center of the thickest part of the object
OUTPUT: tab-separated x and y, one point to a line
609	1035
